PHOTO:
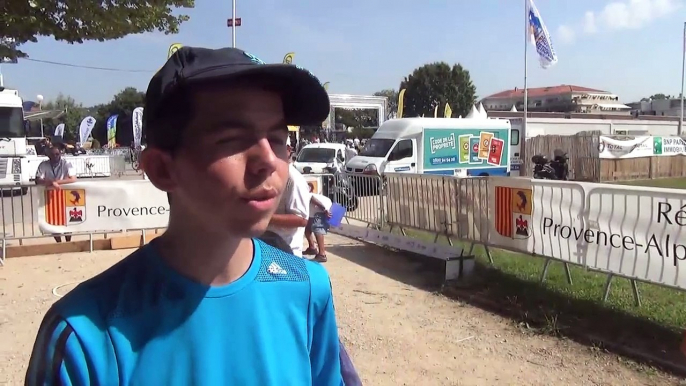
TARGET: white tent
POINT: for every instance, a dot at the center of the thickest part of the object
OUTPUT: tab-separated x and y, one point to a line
474	113
482	111
513	109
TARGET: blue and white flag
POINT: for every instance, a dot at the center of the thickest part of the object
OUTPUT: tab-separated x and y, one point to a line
59	130
539	36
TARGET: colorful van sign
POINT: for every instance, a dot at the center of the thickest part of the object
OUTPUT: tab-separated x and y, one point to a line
466	148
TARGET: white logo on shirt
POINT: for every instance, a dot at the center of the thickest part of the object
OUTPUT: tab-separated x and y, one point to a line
276	269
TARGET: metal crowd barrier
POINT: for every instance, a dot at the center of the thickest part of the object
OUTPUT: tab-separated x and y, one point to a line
360	194
19	214
98	166
443	205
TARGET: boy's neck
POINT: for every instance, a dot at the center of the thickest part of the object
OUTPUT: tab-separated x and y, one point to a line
207	259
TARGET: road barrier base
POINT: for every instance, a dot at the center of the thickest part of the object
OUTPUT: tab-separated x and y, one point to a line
108	243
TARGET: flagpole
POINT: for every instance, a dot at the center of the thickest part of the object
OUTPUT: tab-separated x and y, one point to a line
526	46
233	24
683	71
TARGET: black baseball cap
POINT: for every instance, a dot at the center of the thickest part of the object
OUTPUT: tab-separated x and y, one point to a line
305	101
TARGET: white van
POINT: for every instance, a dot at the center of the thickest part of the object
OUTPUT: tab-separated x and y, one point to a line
446	146
313	158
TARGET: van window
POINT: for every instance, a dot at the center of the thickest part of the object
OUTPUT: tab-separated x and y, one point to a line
377	147
401	151
316	154
514	137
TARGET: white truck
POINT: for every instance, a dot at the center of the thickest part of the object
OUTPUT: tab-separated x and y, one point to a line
17	162
447	146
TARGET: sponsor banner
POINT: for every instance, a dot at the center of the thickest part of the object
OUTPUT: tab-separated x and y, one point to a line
102	206
85	129
446	149
396	241
646	146
511	213
635	232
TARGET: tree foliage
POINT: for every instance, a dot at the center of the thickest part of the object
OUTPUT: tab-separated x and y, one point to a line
392	106
123	104
656	97
74	113
436	84
77	21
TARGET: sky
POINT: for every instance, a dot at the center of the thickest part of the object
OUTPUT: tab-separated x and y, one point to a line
632	48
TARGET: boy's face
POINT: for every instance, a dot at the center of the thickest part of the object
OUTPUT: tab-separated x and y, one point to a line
233	163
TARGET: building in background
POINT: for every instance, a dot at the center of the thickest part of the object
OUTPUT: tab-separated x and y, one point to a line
668	107
558	99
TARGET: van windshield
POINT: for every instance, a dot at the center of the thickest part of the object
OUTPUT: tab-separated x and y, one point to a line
377	147
316	155
11	122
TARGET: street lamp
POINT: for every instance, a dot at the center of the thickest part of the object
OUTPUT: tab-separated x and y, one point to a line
40	98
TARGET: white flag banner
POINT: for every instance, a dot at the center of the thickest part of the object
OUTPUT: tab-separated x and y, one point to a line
59	130
85	129
540	37
137	126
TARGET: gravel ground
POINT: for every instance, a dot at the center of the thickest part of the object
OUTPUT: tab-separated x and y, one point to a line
397	334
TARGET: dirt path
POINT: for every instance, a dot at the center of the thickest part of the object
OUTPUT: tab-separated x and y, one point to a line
396	333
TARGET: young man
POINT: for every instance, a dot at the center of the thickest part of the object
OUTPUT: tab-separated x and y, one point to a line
290	219
206	303
317	225
54	173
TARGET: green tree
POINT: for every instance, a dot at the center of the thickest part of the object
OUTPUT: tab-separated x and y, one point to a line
74	113
436	84
392	105
77	21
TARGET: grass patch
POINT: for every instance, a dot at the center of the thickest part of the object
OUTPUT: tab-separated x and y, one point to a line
671	183
512	288
660	305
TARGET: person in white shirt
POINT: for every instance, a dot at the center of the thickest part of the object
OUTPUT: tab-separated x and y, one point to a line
54	173
350	152
317	225
293	212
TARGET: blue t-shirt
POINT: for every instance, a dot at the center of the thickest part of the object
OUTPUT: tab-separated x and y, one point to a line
141	323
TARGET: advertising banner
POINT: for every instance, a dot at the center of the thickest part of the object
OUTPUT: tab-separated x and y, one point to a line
636	232
646	146
102	206
465	148
112	131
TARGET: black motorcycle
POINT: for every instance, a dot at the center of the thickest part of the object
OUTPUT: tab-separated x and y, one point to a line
557	169
338	189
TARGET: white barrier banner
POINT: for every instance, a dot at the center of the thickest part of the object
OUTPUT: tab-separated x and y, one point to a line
610	148
635	232
404	243
102	206
511	213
